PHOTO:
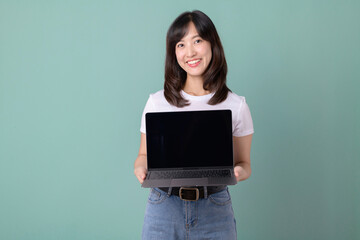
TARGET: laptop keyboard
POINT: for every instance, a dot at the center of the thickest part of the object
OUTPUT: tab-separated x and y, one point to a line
190	174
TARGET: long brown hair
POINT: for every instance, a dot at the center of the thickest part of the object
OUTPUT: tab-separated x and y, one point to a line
214	76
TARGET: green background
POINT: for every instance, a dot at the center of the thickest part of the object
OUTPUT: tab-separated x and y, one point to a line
75	77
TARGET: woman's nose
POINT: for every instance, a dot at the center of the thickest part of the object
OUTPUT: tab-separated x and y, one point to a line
190	51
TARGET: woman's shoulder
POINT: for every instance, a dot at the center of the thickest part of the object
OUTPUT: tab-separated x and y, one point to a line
158	95
159	101
235	99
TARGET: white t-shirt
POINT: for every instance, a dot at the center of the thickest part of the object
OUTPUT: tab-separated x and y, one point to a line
242	123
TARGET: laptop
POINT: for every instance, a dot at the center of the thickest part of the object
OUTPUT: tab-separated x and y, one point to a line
189	148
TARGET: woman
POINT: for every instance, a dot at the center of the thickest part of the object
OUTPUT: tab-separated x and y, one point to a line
195	79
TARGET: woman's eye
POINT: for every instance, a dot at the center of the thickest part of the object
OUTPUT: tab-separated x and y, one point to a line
198	41
180	45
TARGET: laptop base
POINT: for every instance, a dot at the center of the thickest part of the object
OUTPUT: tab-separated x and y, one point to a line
186	182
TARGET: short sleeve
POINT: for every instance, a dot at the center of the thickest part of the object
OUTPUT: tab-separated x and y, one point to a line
149	107
244	124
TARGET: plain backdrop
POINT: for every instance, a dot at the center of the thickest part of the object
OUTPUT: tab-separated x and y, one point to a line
75	77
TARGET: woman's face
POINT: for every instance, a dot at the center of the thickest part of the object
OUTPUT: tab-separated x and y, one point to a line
193	53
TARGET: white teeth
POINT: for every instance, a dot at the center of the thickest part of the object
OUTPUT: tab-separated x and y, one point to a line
193	62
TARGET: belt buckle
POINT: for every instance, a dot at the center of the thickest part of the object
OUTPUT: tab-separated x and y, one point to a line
184	189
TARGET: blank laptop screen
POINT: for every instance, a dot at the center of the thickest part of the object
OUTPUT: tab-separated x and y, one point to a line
189	139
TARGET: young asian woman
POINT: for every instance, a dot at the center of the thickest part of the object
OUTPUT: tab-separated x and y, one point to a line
195	79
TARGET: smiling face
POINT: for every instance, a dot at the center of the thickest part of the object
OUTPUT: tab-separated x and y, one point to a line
193	53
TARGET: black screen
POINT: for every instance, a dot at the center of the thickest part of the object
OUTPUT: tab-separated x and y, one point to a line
189	139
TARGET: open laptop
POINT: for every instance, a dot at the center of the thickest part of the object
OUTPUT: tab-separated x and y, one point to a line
189	148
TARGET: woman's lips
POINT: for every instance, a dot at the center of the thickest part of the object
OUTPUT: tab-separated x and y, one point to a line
193	63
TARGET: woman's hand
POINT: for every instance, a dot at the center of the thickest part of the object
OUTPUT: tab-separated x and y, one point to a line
242	147
140	173
240	173
140	166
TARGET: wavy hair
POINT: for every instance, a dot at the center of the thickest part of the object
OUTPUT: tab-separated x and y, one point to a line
215	74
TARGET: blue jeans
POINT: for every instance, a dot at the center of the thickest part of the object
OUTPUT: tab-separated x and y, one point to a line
169	217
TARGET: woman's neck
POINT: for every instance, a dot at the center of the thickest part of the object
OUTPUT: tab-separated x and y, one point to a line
194	86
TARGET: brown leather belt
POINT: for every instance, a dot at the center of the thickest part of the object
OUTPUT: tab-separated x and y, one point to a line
193	193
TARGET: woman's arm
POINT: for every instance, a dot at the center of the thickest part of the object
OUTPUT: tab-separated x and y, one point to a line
140	166
242	147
